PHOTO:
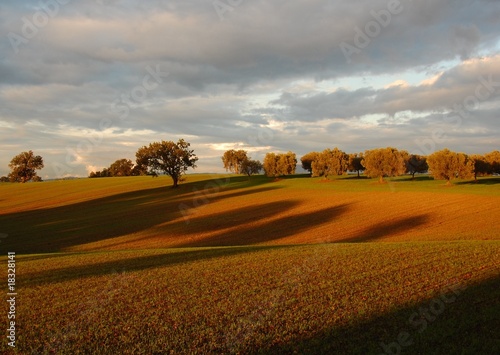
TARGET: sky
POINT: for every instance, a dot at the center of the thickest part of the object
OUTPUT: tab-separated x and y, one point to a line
84	83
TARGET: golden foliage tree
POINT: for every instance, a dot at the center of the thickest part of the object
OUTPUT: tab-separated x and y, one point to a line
493	160
448	165
384	162
280	164
330	162
233	159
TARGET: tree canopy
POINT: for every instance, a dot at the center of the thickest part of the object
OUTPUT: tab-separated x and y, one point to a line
173	159
416	164
250	167
330	162
280	164
384	162
233	160
23	167
448	165
308	159
355	160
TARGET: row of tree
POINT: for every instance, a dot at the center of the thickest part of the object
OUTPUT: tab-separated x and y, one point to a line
382	162
376	163
174	159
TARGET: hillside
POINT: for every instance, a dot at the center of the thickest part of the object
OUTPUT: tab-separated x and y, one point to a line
220	210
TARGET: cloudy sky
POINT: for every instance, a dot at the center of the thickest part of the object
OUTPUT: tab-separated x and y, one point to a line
84	83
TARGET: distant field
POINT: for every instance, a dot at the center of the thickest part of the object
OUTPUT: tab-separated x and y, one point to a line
227	264
142	212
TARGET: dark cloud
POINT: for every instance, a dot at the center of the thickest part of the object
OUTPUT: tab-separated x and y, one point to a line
262	76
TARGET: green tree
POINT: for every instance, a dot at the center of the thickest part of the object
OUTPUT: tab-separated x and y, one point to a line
384	162
23	167
355	160
250	167
480	165
416	164
330	162
233	160
307	161
448	165
121	167
173	159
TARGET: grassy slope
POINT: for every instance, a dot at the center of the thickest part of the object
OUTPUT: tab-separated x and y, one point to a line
124	213
343	298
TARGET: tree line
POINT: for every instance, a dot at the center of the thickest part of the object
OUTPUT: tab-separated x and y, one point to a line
375	163
175	158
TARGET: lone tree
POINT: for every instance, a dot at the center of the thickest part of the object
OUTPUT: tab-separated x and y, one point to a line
233	160
447	165
280	164
168	157
250	167
330	162
307	161
384	162
23	167
416	164
355	160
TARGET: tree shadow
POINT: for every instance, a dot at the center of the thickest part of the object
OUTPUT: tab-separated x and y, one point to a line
266	231
164	258
480	181
383	229
355	177
460	319
58	228
417	178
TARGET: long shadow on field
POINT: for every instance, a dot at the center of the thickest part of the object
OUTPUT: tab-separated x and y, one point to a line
55	229
129	263
480	181
459	320
269	230
384	229
236	220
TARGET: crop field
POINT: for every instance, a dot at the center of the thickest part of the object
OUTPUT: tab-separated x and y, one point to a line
229	264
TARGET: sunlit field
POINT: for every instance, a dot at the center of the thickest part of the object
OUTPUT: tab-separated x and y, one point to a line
230	264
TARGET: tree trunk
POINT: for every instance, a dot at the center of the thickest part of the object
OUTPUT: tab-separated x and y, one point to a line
381	180
176	181
358	173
